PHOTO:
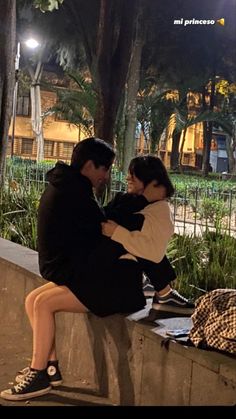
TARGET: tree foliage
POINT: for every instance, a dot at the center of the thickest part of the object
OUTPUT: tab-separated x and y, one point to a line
106	30
77	104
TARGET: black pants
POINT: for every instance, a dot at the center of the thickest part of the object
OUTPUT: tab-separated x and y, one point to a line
160	274
104	256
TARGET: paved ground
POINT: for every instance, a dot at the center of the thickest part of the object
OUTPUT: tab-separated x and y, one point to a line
15	354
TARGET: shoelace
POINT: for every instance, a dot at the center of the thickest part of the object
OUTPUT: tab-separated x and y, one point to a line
176	294
27	380
24	371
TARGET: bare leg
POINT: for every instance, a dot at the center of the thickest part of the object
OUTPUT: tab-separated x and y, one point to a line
29	308
46	304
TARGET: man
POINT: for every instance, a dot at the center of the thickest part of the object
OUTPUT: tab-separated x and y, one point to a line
68	229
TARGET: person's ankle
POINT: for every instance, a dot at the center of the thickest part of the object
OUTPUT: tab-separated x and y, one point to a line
53	362
163	293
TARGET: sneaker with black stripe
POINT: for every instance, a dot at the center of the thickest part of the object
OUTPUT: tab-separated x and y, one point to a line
53	373
173	304
35	384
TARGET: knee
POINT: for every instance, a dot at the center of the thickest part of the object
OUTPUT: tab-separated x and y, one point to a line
42	303
29	302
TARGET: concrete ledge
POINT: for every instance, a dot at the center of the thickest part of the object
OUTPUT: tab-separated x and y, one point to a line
117	358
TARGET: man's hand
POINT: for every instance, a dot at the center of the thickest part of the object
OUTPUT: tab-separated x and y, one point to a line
108	228
153	192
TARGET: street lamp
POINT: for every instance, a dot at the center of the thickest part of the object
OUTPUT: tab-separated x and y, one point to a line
30	43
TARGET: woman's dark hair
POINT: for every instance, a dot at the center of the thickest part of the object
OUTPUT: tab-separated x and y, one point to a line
147	168
100	152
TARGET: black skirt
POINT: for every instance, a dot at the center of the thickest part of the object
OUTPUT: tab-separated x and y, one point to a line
117	289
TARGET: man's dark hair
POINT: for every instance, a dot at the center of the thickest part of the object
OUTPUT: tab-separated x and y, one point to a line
100	152
148	168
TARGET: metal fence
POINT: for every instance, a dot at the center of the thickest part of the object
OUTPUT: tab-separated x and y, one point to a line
197	209
194	208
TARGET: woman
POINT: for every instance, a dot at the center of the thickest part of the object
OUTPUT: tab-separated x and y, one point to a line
145	177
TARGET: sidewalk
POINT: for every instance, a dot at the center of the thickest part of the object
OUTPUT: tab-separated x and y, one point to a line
15	354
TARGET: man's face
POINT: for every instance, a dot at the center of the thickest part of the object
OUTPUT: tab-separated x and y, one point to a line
98	176
135	186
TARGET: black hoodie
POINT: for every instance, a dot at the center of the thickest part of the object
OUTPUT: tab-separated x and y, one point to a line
68	224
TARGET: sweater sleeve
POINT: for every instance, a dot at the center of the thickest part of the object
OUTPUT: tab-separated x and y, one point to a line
125	203
151	242
122	210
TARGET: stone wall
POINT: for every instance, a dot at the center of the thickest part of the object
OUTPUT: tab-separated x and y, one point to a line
116	357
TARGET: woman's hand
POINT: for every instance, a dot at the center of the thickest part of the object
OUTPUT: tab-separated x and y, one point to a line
153	192
108	228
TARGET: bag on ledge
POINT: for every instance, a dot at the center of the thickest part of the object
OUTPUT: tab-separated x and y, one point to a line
214	321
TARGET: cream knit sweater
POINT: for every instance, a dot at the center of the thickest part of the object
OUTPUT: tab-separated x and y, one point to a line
151	242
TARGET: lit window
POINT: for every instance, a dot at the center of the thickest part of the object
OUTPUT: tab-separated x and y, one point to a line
67	150
27	146
186	159
48	148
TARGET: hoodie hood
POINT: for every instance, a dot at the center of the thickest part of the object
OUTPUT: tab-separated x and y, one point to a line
63	175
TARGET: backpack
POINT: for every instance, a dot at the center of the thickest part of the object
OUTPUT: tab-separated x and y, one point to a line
214	321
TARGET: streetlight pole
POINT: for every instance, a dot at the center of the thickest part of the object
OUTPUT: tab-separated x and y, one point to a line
17	66
32	44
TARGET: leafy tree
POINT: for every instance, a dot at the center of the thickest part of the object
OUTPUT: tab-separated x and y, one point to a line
106	29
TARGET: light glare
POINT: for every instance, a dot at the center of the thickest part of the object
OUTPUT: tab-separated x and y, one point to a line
32	43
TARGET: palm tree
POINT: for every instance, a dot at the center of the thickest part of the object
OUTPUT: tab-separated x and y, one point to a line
77	105
182	122
155	108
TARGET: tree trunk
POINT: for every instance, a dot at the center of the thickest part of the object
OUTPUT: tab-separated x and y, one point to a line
230	153
182	149
132	93
207	131
110	71
108	45
120	132
36	109
174	157
7	74
207	135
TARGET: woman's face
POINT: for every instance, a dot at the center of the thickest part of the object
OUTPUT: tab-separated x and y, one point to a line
135	186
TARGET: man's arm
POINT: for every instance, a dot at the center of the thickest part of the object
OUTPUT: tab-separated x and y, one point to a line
122	209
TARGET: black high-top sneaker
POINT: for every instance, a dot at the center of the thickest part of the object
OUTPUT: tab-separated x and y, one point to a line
53	372
35	384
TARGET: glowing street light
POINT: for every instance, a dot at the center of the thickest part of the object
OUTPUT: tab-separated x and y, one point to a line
32	43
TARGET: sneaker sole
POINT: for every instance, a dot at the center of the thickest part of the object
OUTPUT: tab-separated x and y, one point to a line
26	396
172	310
56	383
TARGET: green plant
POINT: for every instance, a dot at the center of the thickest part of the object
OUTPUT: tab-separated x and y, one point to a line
214	211
203	262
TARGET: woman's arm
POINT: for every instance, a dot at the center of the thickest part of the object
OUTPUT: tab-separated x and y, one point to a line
151	242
